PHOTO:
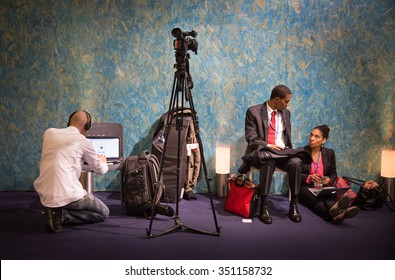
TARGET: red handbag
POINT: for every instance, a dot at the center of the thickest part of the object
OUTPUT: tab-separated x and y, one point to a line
242	198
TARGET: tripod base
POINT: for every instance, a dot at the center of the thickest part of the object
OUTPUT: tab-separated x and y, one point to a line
178	227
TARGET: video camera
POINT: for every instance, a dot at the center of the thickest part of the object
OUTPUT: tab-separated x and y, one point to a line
182	44
183	41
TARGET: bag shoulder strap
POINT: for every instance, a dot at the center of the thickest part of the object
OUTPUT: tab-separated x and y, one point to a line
384	195
158	185
241	181
355	181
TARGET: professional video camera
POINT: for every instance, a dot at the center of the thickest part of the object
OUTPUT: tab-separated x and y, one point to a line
183	43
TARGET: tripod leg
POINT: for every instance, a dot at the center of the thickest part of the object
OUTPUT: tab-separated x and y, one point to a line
152	210
173	101
207	178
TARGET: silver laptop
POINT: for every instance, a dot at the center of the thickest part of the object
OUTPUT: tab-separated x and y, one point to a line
108	146
327	191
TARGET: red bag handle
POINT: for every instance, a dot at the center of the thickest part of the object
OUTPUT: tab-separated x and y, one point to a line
242	181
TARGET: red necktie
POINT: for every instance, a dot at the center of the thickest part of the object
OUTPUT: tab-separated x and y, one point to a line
271	139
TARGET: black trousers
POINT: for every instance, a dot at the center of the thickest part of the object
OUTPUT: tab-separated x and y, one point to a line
319	206
291	165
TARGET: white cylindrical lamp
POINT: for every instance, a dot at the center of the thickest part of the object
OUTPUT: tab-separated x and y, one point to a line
388	171
222	169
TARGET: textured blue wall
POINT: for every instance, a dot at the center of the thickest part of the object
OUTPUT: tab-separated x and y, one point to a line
115	59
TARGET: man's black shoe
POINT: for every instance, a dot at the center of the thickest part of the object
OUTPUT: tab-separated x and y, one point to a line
264	215
294	214
53	219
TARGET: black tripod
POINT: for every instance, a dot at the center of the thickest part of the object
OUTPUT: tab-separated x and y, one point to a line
182	86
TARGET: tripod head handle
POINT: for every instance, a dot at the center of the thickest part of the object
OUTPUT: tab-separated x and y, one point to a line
179	34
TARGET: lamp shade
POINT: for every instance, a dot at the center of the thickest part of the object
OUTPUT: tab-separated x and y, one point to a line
222	160
388	163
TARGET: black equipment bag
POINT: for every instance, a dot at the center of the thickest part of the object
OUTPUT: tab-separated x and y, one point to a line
190	161
140	176
371	195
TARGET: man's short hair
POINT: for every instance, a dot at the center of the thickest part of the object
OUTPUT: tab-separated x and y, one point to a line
280	91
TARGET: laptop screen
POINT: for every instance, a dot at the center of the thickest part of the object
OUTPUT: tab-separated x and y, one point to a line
106	146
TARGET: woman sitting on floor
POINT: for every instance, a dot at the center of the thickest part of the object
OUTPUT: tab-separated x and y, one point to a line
320	173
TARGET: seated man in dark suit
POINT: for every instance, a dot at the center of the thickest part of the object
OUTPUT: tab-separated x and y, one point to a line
269	125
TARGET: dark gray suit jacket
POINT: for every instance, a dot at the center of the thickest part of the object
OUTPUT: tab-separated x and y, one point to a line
257	131
257	127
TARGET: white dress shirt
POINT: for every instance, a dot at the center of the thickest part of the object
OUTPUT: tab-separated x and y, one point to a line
279	126
64	151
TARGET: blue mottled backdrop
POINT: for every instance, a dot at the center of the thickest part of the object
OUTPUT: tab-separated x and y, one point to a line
115	59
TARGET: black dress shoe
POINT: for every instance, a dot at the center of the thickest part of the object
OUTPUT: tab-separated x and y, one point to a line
294	214
264	216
